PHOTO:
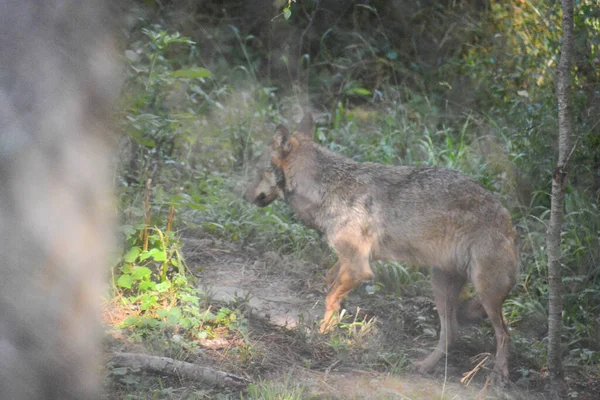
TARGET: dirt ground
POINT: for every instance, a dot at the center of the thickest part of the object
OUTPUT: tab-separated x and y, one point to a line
286	295
282	299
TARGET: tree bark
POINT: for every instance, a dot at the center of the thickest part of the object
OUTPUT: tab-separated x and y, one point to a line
169	366
559	179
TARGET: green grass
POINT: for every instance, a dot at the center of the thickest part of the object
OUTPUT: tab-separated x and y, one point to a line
268	390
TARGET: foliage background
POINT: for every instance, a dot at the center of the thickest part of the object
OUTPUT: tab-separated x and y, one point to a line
465	84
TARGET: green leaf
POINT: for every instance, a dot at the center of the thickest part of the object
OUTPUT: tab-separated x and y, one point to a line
131	255
146	254
359	91
188	298
150	253
174	262
147	285
189	323
159	255
132	321
287	13
163	286
125	281
140	273
192	73
126	268
174	315
147	302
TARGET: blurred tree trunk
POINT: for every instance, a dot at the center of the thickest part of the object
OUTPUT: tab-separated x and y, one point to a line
563	91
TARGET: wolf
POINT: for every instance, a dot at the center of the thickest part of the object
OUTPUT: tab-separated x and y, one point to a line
58	83
424	216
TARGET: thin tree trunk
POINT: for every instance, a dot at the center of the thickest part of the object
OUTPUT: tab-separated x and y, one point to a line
563	91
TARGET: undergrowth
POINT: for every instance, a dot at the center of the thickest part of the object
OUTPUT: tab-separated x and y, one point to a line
193	128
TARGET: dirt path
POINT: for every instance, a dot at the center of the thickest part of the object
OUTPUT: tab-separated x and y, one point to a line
287	292
276	293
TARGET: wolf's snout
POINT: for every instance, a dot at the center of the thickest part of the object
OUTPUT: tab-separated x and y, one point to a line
261	198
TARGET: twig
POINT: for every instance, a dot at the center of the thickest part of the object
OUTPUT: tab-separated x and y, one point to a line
147	214
468	376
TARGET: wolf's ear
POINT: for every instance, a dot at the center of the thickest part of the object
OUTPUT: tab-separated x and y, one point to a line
281	140
306	127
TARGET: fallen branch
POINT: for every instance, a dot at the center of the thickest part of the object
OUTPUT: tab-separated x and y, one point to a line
169	366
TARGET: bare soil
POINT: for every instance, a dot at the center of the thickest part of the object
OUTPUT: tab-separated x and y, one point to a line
285	299
282	299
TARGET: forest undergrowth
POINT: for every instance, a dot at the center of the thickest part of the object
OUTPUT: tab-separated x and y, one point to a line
458	85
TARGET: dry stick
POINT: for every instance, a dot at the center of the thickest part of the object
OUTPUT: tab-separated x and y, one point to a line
147	212
171	367
170	220
468	376
166	241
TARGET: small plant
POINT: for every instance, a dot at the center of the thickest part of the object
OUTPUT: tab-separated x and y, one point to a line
287	390
155	288
395	362
163	255
153	284
351	333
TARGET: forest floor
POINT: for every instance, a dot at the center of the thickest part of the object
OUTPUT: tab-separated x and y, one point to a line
282	299
286	295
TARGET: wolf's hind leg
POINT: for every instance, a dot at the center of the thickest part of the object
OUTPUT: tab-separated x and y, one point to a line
492	290
446	289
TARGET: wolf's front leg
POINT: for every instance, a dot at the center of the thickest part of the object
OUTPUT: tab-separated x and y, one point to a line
332	275
352	269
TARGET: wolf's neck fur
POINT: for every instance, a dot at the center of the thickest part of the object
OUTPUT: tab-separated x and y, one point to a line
313	177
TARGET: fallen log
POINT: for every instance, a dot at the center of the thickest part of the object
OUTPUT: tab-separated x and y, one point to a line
171	367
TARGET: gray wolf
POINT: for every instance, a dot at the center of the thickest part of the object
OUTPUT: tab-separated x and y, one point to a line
425	216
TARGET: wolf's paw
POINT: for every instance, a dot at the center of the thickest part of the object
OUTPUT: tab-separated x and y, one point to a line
425	366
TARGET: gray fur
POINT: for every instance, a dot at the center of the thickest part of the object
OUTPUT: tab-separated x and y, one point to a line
424	216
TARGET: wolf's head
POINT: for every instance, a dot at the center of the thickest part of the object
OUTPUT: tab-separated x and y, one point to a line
263	190
270	177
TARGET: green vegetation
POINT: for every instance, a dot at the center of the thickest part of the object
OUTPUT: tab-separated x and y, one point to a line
452	85
275	391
